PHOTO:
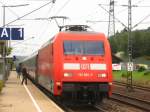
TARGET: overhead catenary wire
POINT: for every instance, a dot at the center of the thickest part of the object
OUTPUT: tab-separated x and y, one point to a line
97	21
114	17
141	21
13	13
55	14
30	19
50	9
124	5
10	10
43	31
59	10
126	8
46	24
127	5
64	5
29	13
147	22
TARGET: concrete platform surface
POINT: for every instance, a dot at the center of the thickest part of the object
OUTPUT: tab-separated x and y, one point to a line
21	98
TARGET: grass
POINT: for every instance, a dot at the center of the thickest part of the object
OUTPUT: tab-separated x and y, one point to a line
138	77
1	85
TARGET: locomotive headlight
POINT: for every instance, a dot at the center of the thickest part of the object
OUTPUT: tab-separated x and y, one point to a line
102	75
110	83
68	74
58	83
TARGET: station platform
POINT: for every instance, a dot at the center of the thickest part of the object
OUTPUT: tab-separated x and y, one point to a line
24	98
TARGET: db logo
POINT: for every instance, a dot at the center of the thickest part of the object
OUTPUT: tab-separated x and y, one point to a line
85	66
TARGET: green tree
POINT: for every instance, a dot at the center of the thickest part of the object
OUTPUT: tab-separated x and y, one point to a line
140	42
2	47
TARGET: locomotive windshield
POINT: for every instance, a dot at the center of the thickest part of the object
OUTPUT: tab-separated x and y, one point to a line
83	48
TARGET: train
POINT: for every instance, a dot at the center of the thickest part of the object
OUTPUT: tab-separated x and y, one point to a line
75	64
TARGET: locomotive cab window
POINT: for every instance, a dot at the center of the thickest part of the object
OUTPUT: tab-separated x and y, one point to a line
83	48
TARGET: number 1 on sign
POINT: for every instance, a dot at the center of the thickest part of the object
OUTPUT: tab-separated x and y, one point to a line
21	32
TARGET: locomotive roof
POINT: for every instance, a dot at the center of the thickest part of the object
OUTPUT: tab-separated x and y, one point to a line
71	32
89	31
78	32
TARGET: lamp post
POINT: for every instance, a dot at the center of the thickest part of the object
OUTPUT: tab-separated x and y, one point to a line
5	45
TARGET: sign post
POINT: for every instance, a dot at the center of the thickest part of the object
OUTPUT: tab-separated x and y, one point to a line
130	68
9	34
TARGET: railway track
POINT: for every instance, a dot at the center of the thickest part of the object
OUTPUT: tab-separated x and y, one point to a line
70	107
137	103
97	108
135	86
134	102
86	108
101	109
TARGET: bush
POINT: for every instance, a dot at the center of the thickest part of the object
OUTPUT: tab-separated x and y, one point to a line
141	69
1	85
147	73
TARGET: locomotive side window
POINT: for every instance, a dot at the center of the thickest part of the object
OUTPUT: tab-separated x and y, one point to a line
83	47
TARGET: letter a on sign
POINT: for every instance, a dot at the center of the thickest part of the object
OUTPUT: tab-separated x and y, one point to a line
4	33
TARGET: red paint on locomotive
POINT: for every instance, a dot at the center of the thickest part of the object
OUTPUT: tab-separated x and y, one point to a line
54	64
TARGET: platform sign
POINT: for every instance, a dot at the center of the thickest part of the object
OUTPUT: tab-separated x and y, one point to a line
130	66
11	33
5	33
17	33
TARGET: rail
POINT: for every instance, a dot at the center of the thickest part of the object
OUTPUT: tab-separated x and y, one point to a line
134	86
135	102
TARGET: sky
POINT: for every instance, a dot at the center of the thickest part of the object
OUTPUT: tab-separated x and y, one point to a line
38	32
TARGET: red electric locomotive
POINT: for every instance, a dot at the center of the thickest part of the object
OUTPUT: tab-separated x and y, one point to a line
75	63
